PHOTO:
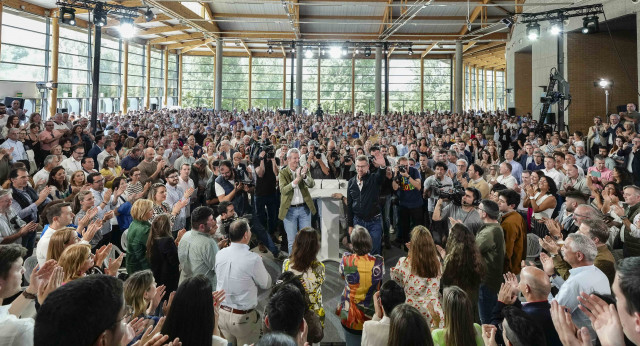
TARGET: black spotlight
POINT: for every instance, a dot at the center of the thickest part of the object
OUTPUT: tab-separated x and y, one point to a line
270	50
508	22
410	51
149	15
367	52
99	17
590	25
68	15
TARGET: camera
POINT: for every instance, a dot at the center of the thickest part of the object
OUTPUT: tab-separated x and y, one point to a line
453	194
335	156
402	169
318	156
225	225
348	158
267	147
242	176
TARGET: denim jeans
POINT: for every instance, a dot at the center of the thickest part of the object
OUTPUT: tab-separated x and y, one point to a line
263	236
267	211
375	230
487	300
297	218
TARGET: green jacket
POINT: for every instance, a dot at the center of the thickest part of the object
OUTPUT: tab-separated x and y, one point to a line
137	246
490	241
285	177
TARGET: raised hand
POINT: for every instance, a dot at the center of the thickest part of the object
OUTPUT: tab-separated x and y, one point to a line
107	195
547	264
511	279
101	254
569	334
40	275
114	265
155	301
604	319
90	232
507	294
188	193
489	334
55	281
166	306
549	245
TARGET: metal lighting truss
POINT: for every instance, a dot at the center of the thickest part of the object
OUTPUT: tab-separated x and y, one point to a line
562	13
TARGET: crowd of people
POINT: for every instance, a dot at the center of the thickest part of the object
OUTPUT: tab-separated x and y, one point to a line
151	228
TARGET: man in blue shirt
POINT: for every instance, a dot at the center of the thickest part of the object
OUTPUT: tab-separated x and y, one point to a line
407	185
131	160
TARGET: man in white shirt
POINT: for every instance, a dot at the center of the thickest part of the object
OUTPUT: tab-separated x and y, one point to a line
505	178
12	228
42	176
73	163
239	273
104	201
376	331
109	150
60	215
19	154
551	171
174	194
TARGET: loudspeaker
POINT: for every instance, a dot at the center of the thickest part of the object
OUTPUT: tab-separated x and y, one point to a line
8	100
512	111
62	110
550	119
154	106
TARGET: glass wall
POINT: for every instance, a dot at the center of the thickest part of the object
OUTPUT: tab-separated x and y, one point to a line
467	87
110	75
404	85
235	83
156	78
437	84
335	85
266	83
172	85
474	95
73	69
135	88
310	84
365	84
197	81
500	94
490	86
480	76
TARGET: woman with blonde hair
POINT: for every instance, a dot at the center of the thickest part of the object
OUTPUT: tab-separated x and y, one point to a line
137	236
77	181
76	260
60	240
419	273
110	170
459	328
142	294
158	195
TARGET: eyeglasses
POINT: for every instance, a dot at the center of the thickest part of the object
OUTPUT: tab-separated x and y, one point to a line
172	177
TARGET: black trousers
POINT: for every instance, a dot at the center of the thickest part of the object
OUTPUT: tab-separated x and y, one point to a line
409	217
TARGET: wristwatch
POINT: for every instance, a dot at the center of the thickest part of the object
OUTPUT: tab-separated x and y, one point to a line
29	295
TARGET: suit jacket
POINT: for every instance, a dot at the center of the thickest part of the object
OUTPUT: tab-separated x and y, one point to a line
635	166
285	177
612	132
540	312
592	135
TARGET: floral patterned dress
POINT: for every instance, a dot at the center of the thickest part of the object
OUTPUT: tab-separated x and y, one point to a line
363	276
312	280
419	291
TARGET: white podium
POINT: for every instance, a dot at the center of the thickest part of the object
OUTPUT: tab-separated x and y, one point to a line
329	210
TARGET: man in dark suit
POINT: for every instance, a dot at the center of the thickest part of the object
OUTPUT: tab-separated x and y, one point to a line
632	161
535	287
611	128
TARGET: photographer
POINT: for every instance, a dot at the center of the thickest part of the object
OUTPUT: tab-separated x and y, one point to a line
227	214
335	161
228	187
315	161
266	196
407	184
463	211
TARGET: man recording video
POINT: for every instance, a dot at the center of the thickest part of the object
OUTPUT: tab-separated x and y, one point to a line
463	211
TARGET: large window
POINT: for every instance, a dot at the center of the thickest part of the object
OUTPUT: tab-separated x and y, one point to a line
467	87
172	84
335	84
490	85
110	75
474	95
500	90
73	69
365	84
235	83
437	84
310	84
480	74
404	85
266	83
197	81
24	51
135	87
156	75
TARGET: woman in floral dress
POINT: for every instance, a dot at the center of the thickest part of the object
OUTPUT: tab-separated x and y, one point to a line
419	273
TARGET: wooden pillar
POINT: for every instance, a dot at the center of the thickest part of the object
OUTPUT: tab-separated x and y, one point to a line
125	77
165	96
353	84
147	93
422	84
250	77
55	40
284	82
179	79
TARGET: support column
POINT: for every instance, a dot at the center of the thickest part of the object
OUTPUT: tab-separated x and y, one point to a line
55	40
218	75
250	78
378	80
299	62
125	77
459	77
165	96
147	90
179	79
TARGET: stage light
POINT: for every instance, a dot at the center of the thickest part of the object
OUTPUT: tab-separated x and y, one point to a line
149	15
308	53
127	30
345	51
99	17
410	51
68	15
367	52
293	49
508	22
323	51
590	25
270	50
603	83
357	51
556	28
533	31
335	52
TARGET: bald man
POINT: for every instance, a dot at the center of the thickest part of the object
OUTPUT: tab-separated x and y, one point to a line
535	287
150	169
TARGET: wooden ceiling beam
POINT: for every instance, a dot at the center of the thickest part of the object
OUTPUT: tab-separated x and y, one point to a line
474	15
179	11
468	45
190	43
182	37
429	48
161	29
245	46
484	47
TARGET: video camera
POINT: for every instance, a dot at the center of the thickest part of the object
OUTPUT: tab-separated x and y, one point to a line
242	176
452	193
225	225
267	147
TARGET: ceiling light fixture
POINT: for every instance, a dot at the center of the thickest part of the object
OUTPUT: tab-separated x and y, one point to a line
68	15
126	28
149	15
533	31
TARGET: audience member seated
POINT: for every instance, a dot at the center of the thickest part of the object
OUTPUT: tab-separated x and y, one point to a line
408	327
375	332
459	328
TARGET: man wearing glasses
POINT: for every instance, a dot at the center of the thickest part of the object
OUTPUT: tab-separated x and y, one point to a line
490	241
26	202
105	203
19	154
73	163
